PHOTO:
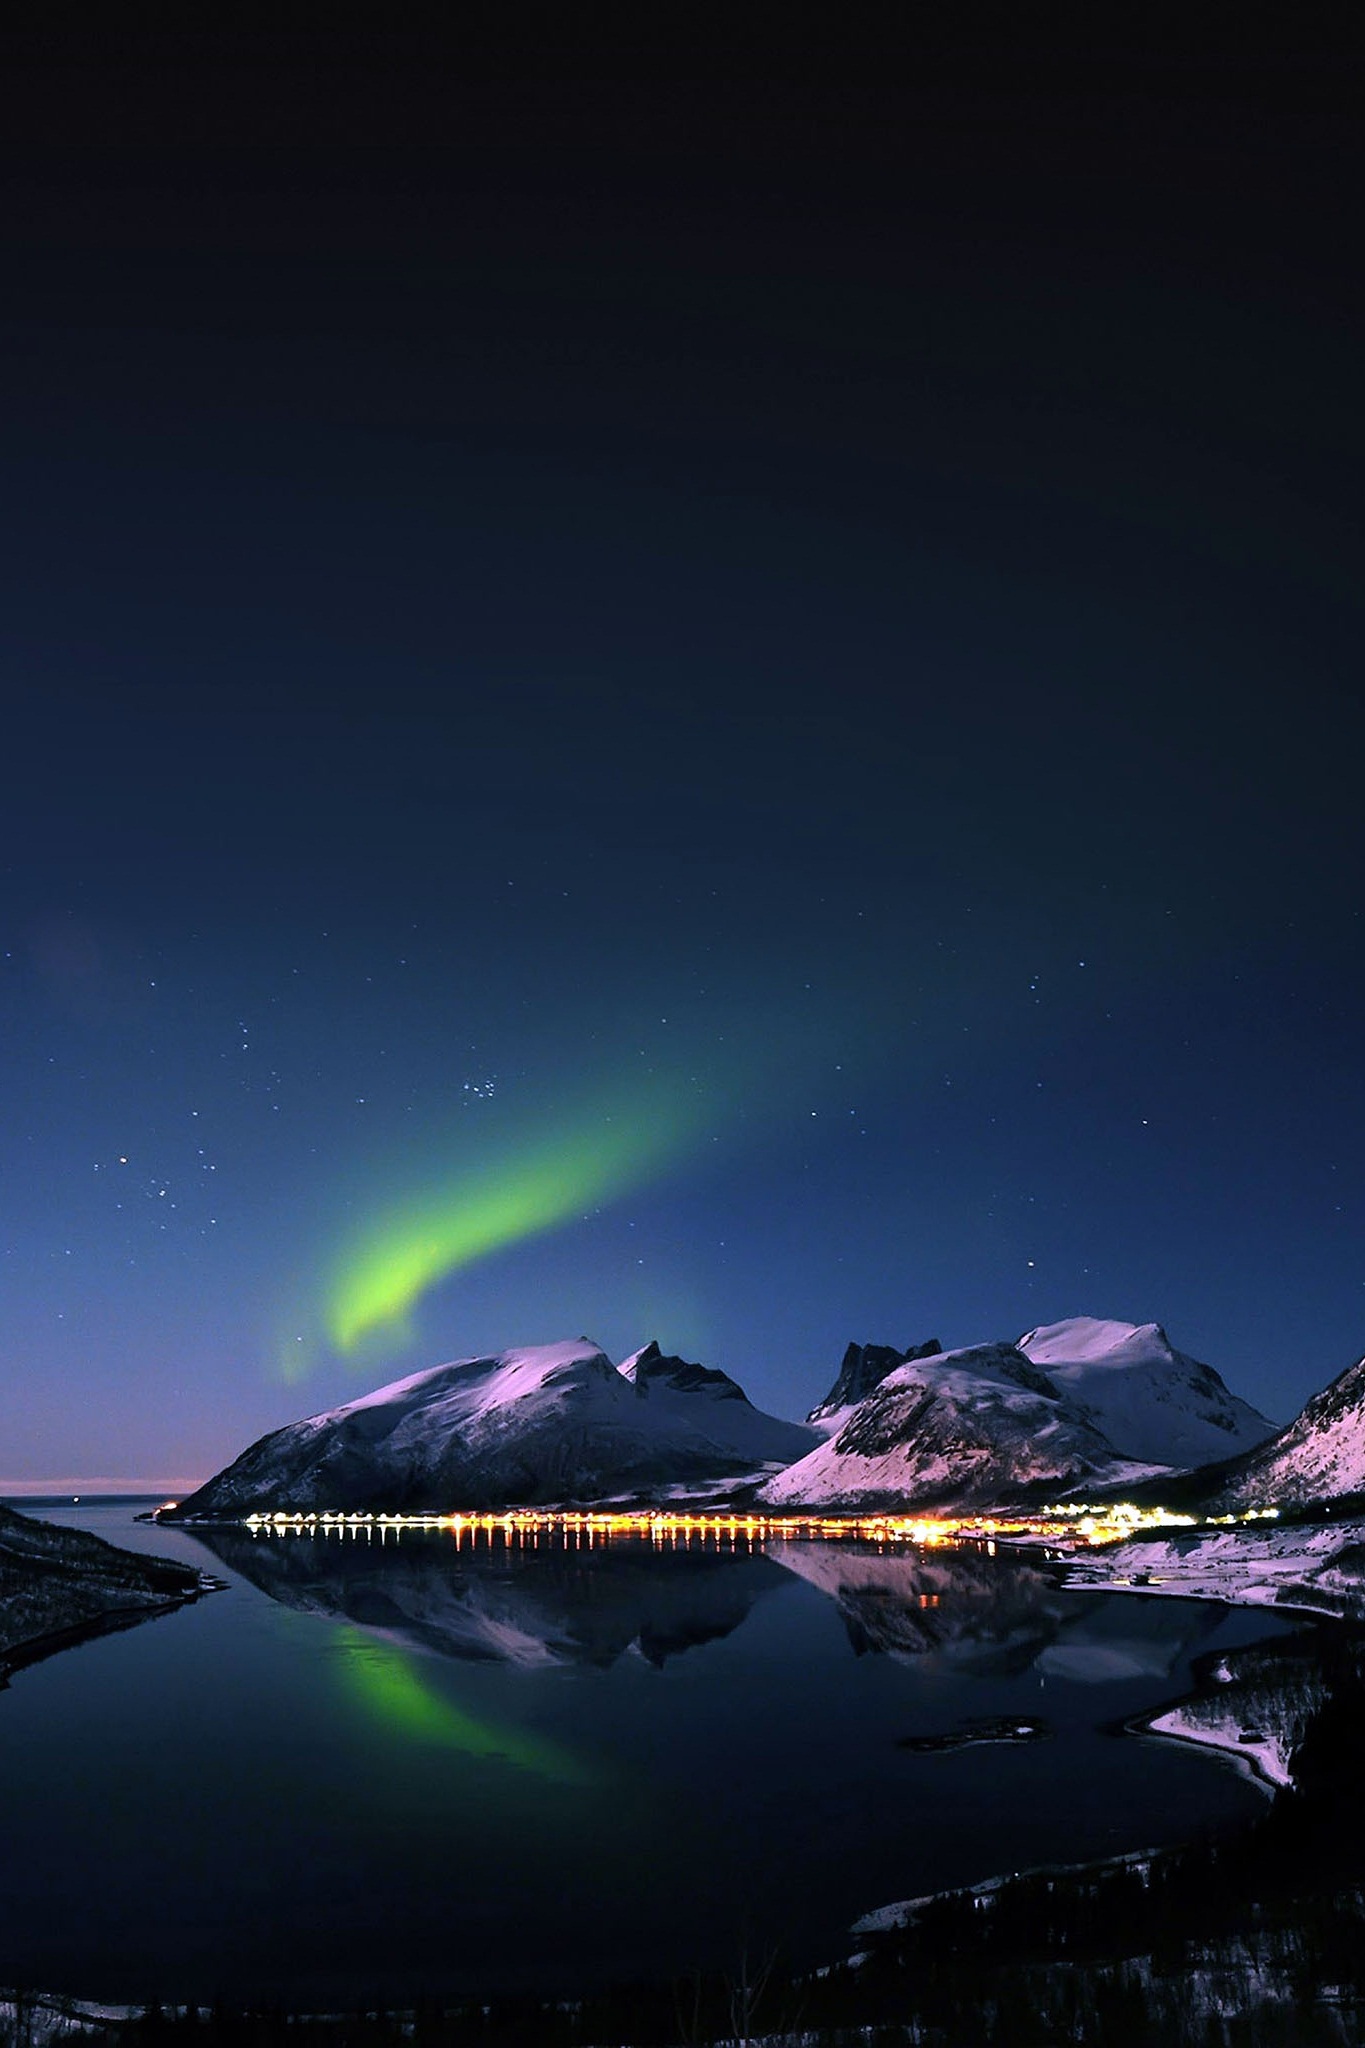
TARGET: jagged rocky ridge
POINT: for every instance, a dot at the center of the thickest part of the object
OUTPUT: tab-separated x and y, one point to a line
550	1424
864	1368
963	1430
1077	1405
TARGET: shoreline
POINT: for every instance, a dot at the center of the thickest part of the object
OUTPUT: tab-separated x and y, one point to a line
113	1621
60	1587
897	1915
1229	1750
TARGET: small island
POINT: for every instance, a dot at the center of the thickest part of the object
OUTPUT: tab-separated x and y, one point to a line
994	1728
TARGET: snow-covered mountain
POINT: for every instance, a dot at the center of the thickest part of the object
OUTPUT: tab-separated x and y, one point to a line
962	1430
1317	1456
1154	1403
1081	1404
554	1422
701	1396
864	1367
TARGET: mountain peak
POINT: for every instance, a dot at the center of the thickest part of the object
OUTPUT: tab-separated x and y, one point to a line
1092	1339
650	1367
641	1359
951	1431
1073	1404
546	1423
1154	1403
864	1367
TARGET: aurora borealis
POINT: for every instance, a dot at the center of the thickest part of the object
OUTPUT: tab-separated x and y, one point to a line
386	1271
722	712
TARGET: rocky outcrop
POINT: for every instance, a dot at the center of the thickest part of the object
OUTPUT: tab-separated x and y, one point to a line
864	1368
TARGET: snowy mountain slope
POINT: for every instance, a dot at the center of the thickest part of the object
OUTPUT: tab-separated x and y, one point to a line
1317	1456
553	1422
705	1398
1154	1403
963	1430
1077	1404
864	1367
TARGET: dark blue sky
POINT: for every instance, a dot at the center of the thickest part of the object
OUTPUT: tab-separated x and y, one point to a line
795	635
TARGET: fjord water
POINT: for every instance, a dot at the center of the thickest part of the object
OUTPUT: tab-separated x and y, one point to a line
426	1767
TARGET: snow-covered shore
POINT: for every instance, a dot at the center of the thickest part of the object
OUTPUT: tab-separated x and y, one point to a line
1308	1567
1317	1566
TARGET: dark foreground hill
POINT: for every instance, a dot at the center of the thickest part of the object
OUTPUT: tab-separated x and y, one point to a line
57	1585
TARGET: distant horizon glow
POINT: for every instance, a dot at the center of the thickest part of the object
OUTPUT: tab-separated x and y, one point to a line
98	1488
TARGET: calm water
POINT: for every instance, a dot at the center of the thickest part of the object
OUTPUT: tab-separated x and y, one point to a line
371	1771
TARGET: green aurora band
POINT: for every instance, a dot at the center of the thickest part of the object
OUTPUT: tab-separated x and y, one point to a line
388	1268
383	1681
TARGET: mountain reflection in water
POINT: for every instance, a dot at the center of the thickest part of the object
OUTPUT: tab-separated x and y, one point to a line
491	1597
973	1613
392	1768
488	1599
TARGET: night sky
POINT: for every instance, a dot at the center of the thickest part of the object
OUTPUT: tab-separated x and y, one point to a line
735	702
